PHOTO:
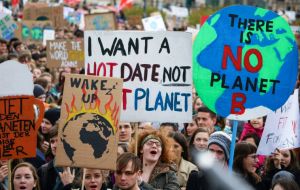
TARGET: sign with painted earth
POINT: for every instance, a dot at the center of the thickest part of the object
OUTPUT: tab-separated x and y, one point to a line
244	62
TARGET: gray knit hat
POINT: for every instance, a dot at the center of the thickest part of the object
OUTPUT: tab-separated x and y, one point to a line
221	139
283	175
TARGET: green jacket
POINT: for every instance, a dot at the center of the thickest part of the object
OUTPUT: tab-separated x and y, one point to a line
164	177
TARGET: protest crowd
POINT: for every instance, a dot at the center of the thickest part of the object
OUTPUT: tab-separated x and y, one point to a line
150	155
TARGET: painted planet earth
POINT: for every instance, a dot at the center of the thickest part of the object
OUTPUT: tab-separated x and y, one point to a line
244	62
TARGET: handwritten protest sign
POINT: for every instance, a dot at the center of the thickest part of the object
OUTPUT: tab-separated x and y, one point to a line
7	26
18	124
32	30
241	61
154	23
88	123
100	21
41	11
155	67
281	128
65	53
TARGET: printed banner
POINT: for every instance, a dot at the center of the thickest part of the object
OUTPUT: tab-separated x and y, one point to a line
100	21
89	119
18	124
155	67
281	128
7	26
241	58
65	53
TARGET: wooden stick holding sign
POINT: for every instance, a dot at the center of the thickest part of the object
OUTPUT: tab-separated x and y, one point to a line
83	178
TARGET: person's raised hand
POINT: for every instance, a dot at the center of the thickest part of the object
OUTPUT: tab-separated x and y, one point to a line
67	176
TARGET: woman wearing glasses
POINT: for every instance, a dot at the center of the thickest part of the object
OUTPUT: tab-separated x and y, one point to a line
154	150
245	164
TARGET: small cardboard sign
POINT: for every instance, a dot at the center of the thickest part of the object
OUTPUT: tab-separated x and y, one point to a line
88	123
18	123
100	21
32	31
7	26
65	53
41	11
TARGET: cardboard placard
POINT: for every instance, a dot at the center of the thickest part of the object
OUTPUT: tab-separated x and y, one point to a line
155	66
41	11
65	53
240	70
32	31
100	21
7	26
89	118
281	128
18	124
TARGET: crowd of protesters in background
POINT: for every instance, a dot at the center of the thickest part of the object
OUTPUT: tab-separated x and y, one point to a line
166	156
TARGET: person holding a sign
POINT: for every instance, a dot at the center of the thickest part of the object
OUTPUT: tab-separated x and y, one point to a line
3	174
52	177
285	160
158	171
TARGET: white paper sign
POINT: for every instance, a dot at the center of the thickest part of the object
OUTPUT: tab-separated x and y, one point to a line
281	128
295	29
15	79
48	35
154	23
291	15
155	66
180	11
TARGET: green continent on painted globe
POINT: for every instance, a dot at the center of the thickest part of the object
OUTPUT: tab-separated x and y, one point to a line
91	129
269	35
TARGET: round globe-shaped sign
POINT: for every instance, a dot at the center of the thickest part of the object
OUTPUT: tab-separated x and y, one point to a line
244	62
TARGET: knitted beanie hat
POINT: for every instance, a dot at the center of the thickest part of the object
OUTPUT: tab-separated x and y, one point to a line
52	115
221	139
38	90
